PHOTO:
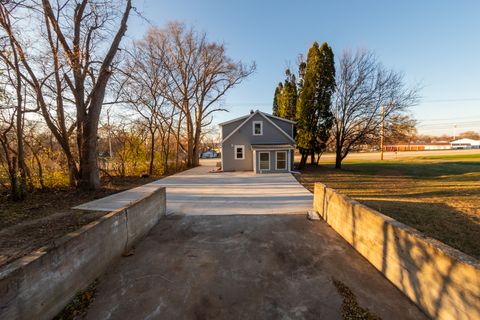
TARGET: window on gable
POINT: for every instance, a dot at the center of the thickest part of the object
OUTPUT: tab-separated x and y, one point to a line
239	152
257	128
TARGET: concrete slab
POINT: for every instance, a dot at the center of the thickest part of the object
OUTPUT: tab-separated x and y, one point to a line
243	267
199	192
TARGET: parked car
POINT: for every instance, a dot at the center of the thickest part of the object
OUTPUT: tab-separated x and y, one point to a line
208	154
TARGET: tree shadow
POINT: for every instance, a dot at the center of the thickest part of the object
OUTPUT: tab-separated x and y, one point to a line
442	281
435	284
436	220
416	170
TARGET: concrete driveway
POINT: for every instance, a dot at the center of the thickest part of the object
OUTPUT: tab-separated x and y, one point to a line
243	267
198	191
239	246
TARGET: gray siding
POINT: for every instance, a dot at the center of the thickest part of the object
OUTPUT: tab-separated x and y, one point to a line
285	126
228	128
228	155
244	136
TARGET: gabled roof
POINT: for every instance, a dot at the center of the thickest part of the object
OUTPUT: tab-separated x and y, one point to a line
272	116
264	115
233	120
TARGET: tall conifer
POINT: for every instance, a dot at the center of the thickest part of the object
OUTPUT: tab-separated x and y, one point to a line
314	117
277	98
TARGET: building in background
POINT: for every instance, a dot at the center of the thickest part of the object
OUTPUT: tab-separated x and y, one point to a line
465	144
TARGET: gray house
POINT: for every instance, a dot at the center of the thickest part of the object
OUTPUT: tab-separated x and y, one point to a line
258	142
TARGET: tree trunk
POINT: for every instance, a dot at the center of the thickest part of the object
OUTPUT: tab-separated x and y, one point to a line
13	179
152	153
73	174
166	150
19	126
40	171
21	155
312	156
89	173
303	159
318	158
338	158
196	145
177	141
190	144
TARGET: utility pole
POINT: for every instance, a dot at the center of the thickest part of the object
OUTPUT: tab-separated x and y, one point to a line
454	132
382	134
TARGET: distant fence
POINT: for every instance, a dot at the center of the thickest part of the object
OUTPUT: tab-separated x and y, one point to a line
39	285
442	281
417	147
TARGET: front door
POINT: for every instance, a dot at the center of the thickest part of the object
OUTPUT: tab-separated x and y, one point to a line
264	161
281	160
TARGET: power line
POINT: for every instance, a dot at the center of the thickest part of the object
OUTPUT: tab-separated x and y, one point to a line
449	100
421	101
447	119
463	123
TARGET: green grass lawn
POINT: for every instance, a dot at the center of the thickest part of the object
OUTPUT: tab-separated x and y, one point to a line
438	195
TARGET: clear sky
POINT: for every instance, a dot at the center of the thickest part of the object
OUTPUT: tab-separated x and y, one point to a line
434	43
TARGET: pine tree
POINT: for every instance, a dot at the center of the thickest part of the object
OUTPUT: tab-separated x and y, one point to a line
287	98
325	90
277	98
314	118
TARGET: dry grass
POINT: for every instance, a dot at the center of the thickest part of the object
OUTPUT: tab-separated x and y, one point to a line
439	196
46	215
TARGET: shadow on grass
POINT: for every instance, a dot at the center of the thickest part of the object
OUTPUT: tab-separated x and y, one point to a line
440	191
416	170
436	220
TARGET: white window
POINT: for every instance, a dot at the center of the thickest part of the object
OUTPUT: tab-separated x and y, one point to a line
239	152
257	128
281	163
264	160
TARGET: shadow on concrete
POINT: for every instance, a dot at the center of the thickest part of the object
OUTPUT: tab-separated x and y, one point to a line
243	267
438	284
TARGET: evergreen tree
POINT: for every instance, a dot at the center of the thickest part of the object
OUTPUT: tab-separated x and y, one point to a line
287	99
314	117
277	98
325	89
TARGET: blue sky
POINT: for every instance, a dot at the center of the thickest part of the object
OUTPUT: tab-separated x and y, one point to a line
434	43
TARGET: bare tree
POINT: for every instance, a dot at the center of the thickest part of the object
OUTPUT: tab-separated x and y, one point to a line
8	154
76	33
199	74
42	72
363	87
89	72
143	89
13	76
400	128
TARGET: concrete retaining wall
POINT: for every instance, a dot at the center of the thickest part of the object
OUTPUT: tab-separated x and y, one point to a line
38	286
442	281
